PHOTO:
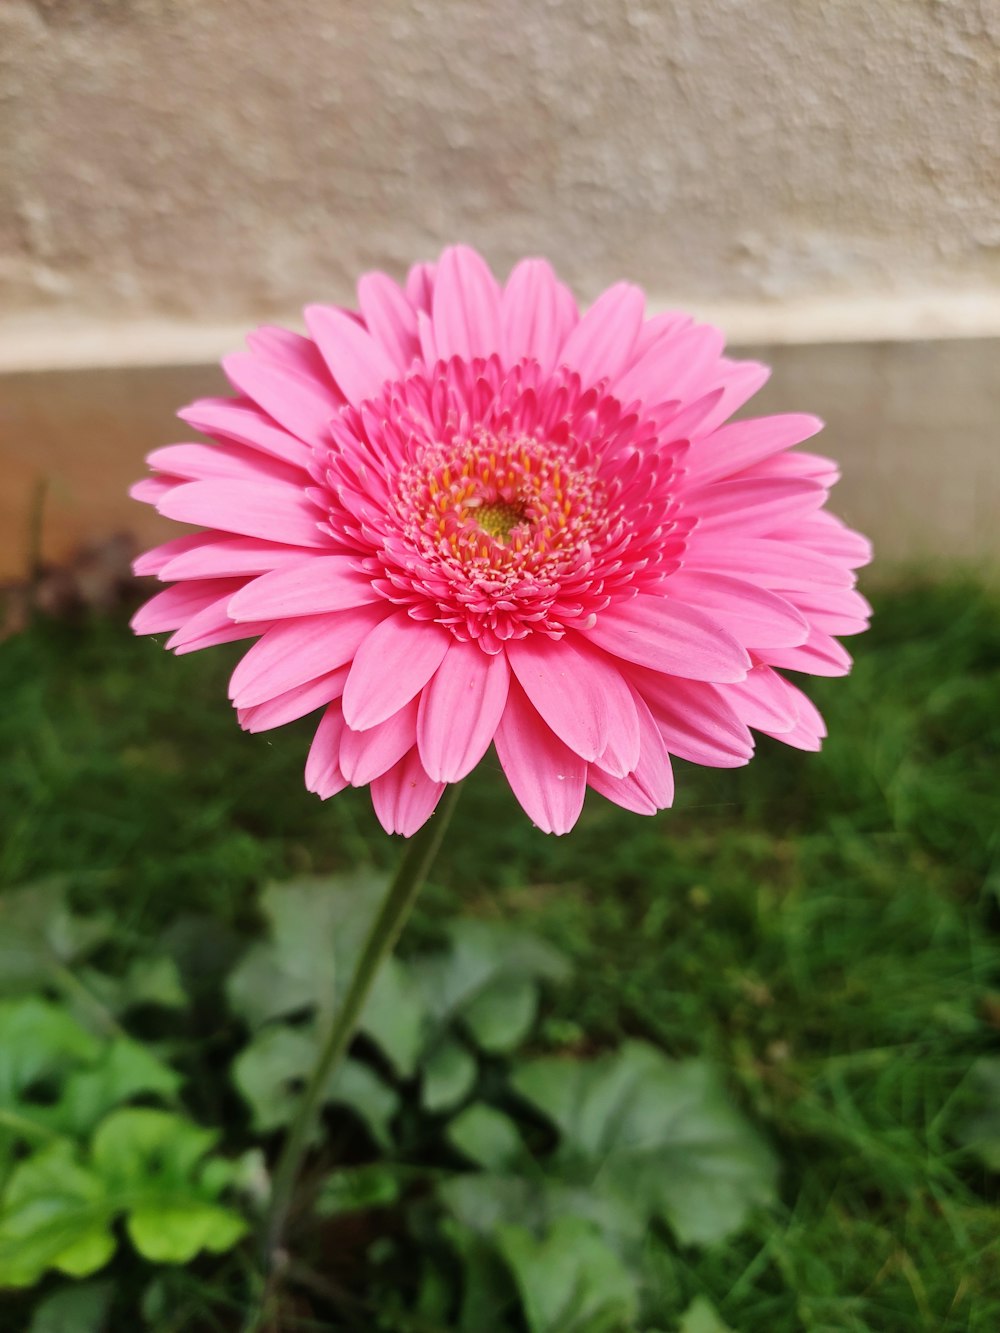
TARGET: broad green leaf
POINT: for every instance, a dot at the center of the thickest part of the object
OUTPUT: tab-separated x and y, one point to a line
701	1317
482	954
80	1308
40	934
56	1214
656	1135
125	1069
489	1297
316	928
449	1072
175	1233
487	1137
153	1162
39	1044
139	1145
570	1281
272	1070
38	1040
394	1016
152	981
502	1015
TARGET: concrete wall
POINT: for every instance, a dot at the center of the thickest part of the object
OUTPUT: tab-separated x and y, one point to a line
803	170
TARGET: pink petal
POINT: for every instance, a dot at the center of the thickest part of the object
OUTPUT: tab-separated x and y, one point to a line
754	507
809	730
579	693
357	361
673	367
294	703
212	622
320	583
743	443
323	775
197	462
173	606
739	381
390	667
215	555
650	787
785	565
466	305
365	755
405	797
390	317
820	656
601	344
764	701
460	709
834	610
213	627
271	510
825	533
670	637
547	778
535	314
695	720
295	353
151	490
420	286
295	651
757	618
152	562
292	401
244	424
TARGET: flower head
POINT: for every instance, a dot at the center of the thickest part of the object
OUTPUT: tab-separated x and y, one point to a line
467	515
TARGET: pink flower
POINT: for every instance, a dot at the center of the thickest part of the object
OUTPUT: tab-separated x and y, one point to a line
467	514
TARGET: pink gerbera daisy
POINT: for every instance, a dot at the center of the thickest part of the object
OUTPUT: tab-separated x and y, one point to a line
467	515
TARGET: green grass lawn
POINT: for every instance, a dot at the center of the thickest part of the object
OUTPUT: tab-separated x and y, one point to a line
824	926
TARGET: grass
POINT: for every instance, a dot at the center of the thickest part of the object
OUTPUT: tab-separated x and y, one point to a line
823	925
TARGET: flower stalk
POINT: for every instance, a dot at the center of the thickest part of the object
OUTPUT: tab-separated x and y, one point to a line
380	941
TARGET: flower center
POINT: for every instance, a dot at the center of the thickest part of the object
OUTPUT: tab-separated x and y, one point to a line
498	518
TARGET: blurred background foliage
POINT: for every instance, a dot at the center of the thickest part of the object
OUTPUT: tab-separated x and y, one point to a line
731	1067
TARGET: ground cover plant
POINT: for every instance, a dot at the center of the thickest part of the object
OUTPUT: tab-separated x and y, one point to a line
805	951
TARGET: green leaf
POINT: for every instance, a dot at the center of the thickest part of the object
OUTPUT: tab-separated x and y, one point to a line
657	1136
141	1145
701	1317
153	1163
39	1044
38	1039
394	1016
125	1070
81	1308
272	1070
449	1073
56	1214
40	934
316	928
502	1015
487	1137
174	1234
570	1281
482	955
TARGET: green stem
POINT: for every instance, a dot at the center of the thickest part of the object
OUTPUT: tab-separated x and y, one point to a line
381	938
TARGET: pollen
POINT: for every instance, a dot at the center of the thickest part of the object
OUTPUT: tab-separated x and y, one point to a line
499	518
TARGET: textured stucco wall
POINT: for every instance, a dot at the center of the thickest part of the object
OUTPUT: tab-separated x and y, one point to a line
222	158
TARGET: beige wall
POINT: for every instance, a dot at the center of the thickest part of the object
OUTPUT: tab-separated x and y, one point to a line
227	157
806	171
